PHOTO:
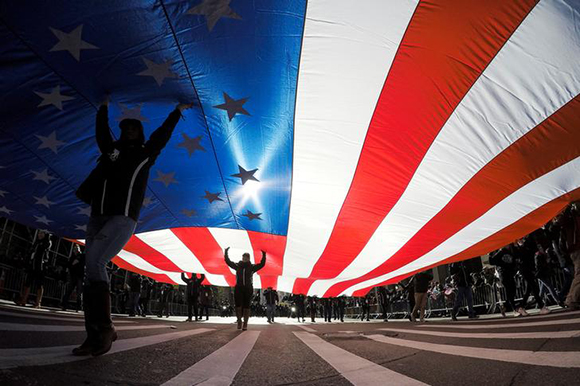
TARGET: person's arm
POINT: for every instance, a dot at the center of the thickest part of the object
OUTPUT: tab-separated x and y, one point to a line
262	263
201	278
102	129
228	261
161	136
184	277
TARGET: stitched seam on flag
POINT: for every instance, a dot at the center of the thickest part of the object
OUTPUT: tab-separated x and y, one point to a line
294	131
202	110
441	129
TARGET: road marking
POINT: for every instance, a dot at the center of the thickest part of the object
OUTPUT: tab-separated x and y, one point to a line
220	367
487	335
54	328
307	328
357	370
495	326
38	356
29	315
566	359
535	315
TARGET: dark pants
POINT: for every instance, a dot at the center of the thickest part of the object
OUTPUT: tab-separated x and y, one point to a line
312	313
300	311
327	313
532	288
243	296
192	303
366	310
73	283
134	303
464	292
144	304
204	309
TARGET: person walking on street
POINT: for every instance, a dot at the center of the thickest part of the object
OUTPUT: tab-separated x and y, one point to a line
192	294
526	250
312	308
327	306
244	285
36	266
146	287
205	300
341	303
166	291
463	279
409	287
422	280
572	243
366	307
300	307
272	301
76	272
134	294
115	190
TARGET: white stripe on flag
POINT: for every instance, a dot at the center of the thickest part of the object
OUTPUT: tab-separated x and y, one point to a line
534	74
346	55
520	203
169	245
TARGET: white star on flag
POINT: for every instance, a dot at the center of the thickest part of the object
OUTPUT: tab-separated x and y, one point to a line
85	210
131	113
4	209
71	42
43	176
80	228
213	10
43	201
166	178
50	142
159	71
55	98
147	201
2	193
42	219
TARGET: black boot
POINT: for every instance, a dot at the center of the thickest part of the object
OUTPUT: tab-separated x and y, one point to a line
101	306
92	329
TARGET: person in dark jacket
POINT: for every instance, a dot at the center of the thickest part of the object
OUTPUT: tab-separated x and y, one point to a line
505	262
166	292
571	244
422	280
327	306
366	307
146	287
409	287
300	307
384	300
192	294
463	280
525	251
35	268
341	304
205	300
134	294
76	272
312	308
272	299
244	285
115	190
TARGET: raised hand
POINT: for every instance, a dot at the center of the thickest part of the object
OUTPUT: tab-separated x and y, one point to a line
226	251
184	106
106	101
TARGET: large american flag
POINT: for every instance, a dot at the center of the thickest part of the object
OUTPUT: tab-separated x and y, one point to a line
357	142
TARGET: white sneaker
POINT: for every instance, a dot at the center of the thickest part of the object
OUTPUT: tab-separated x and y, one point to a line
522	311
517	314
545	311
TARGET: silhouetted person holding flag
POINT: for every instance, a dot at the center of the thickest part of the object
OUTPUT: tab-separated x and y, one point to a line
192	293
115	189
244	285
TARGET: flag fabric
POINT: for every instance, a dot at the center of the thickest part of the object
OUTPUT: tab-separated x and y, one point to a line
357	142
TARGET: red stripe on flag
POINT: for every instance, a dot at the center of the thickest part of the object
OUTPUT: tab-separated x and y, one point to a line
445	49
548	146
140	248
203	245
509	234
274	246
130	267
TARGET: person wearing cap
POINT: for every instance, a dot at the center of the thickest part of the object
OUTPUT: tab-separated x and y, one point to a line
272	299
244	286
115	190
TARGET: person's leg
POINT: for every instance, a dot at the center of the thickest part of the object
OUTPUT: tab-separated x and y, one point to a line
70	286
79	289
458	302
190	309
246	306
573	298
238	298
418	300
423	304
469	298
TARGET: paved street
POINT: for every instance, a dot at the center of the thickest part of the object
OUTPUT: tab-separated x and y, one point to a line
537	350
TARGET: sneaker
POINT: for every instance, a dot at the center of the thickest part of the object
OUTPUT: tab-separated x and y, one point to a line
523	312
454	318
517	314
545	310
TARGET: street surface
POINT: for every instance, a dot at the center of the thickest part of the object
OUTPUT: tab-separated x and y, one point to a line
537	350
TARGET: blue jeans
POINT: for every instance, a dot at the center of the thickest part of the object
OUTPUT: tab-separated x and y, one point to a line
270	311
106	236
461	293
